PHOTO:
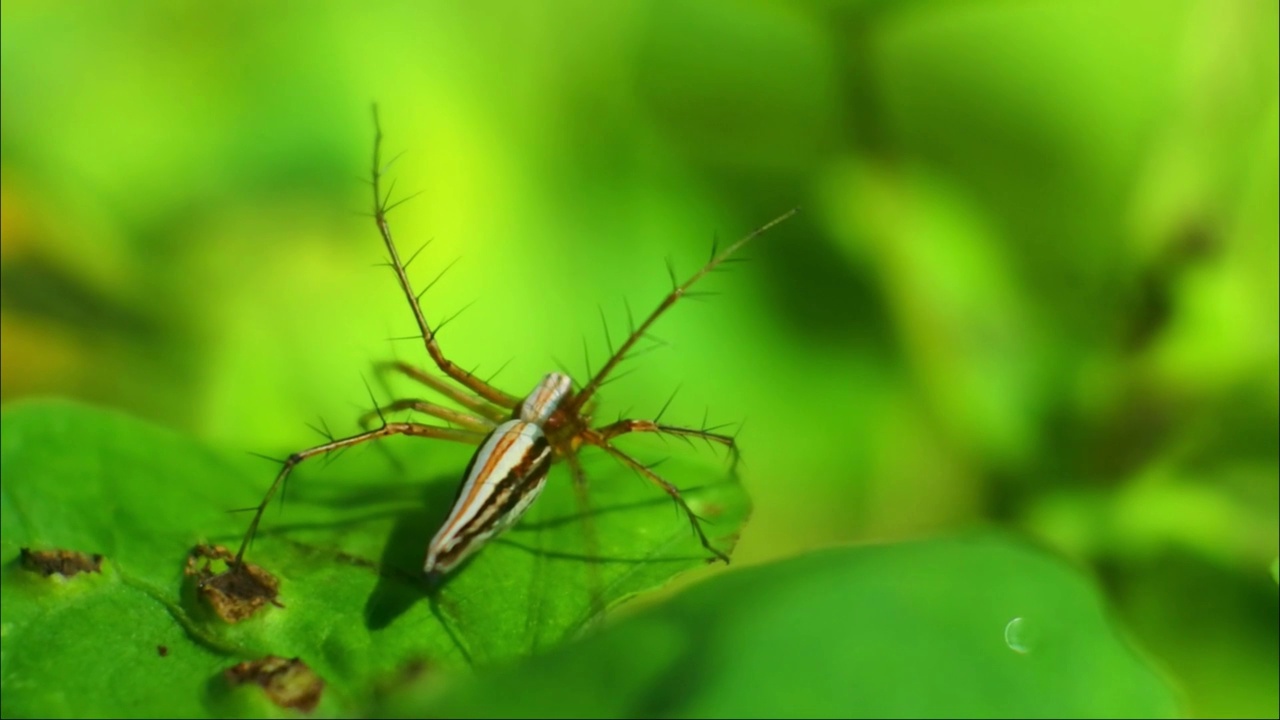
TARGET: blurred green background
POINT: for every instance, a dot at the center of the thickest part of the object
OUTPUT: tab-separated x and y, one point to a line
1034	282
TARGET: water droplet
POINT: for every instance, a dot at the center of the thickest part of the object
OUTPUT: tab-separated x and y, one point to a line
1019	635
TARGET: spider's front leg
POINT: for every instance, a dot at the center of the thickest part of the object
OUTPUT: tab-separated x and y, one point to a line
382	206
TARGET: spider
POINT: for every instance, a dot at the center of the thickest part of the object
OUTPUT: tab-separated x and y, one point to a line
518	437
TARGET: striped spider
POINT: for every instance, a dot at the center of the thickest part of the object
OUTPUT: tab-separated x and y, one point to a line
518	438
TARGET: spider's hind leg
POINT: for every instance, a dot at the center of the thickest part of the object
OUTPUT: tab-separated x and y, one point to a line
626	426
648	473
388	429
590	537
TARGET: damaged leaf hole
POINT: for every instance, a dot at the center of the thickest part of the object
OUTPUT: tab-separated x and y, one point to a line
287	683
232	595
67	563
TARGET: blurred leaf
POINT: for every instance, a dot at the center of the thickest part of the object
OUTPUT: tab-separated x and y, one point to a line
689	77
348	561
977	626
960	310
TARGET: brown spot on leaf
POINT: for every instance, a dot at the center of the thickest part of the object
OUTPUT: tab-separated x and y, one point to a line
60	562
162	650
237	592
288	683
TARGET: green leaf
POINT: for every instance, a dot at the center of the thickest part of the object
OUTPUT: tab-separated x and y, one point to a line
977	626
347	548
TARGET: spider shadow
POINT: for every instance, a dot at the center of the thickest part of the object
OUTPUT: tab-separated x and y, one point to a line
401	582
417	511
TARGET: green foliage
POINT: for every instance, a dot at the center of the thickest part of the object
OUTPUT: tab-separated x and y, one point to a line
1033	282
978	626
348	556
974	626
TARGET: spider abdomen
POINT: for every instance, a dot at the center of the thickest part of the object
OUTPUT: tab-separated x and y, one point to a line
506	475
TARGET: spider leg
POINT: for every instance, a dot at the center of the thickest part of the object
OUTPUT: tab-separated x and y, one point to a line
381	206
677	292
475	404
623	427
667	487
591	539
399	428
457	417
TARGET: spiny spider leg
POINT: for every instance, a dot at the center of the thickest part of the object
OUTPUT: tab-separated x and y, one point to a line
590	538
470	402
468	437
457	417
676	293
668	488
624	427
380	209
